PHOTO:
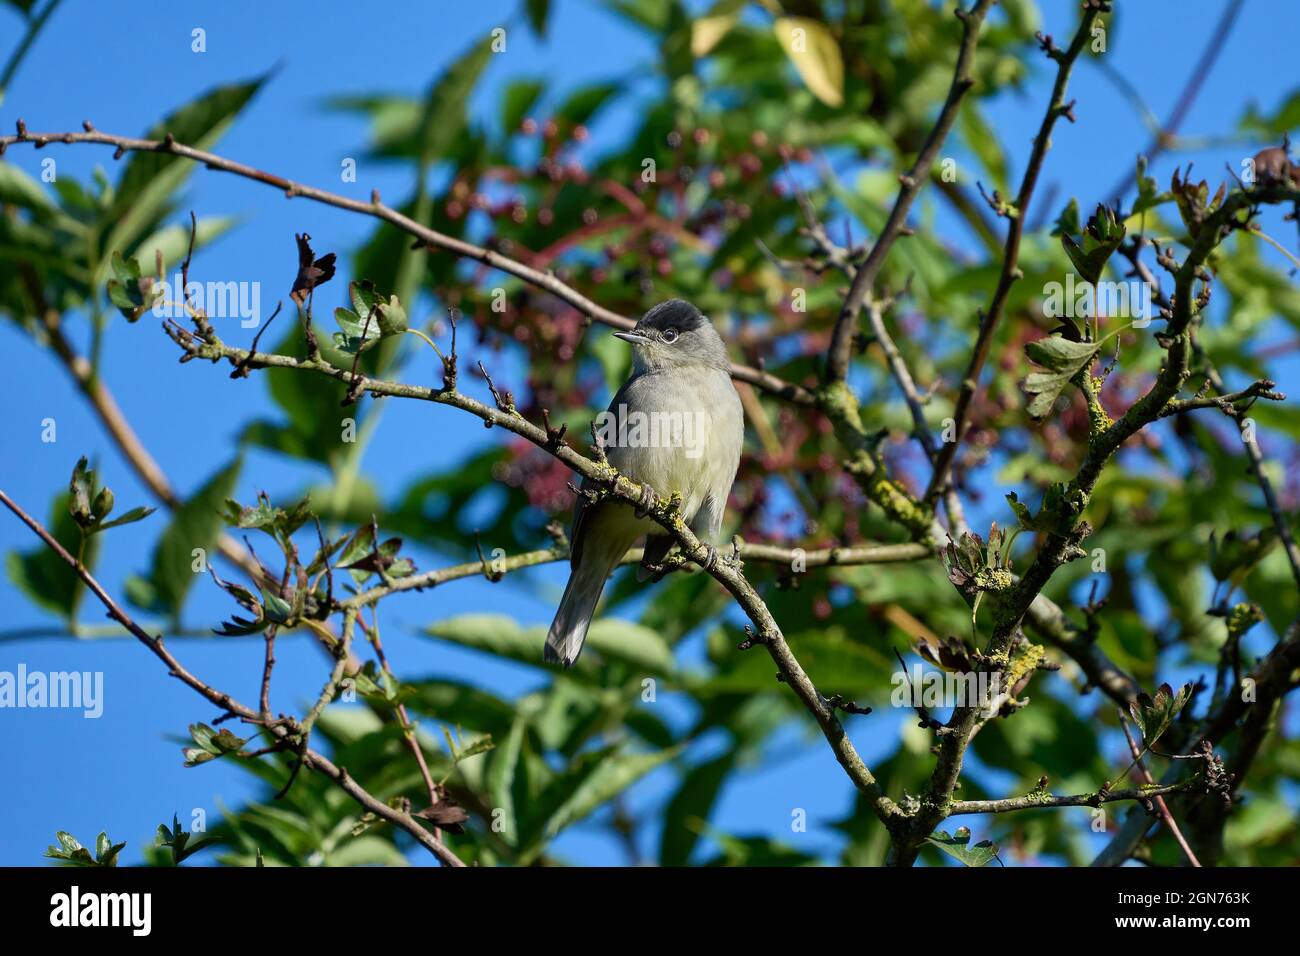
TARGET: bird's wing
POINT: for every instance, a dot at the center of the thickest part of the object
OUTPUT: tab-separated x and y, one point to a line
729	422
580	507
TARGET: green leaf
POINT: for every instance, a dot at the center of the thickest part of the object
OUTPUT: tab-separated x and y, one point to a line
133	293
380	687
1023	515
276	522
1149	194
80	488
496	634
446	106
211	744
313	428
359	545
479	745
70	852
755	852
613	774
195	524
131	517
1234	555
150	179
174	241
1067	223
357	331
611	638
815	55
538	10
178	840
519	97
368	851
958	847
1154	715
581	105
43	576
89	514
693	801
19	189
371	318
1285	119
1101	237
502	766
1063	360
461	704
983	142
709	30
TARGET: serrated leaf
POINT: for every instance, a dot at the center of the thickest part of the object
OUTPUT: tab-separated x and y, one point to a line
958	847
1063	360
1067	223
1101	237
1155	715
131	291
1149	195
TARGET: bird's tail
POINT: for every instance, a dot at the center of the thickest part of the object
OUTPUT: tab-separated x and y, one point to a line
581	594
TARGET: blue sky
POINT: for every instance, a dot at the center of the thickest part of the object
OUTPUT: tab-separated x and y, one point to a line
124	65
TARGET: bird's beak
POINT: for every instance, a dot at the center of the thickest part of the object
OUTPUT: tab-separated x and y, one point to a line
634	337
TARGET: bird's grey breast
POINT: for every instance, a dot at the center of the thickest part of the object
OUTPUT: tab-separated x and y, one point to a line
677	429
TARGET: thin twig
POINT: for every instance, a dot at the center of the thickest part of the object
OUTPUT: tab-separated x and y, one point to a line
1159	800
840	352
1010	273
230	705
544	281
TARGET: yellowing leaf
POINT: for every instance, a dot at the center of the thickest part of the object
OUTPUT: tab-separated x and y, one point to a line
816	56
706	32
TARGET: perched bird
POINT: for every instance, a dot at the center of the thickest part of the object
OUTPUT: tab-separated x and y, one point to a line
675	426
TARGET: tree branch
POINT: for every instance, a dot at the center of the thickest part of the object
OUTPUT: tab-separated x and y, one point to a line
617	487
1010	274
545	281
1045	801
840	352
228	704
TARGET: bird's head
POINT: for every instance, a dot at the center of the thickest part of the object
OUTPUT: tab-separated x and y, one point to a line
675	333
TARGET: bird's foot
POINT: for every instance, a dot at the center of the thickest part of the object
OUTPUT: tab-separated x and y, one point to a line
649	501
711	558
657	571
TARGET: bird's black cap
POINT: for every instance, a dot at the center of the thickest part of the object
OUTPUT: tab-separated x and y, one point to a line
673	314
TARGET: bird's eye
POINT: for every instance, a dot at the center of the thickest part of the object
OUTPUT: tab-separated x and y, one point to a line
670	336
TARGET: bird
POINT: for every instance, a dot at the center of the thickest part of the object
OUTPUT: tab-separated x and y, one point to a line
675	425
